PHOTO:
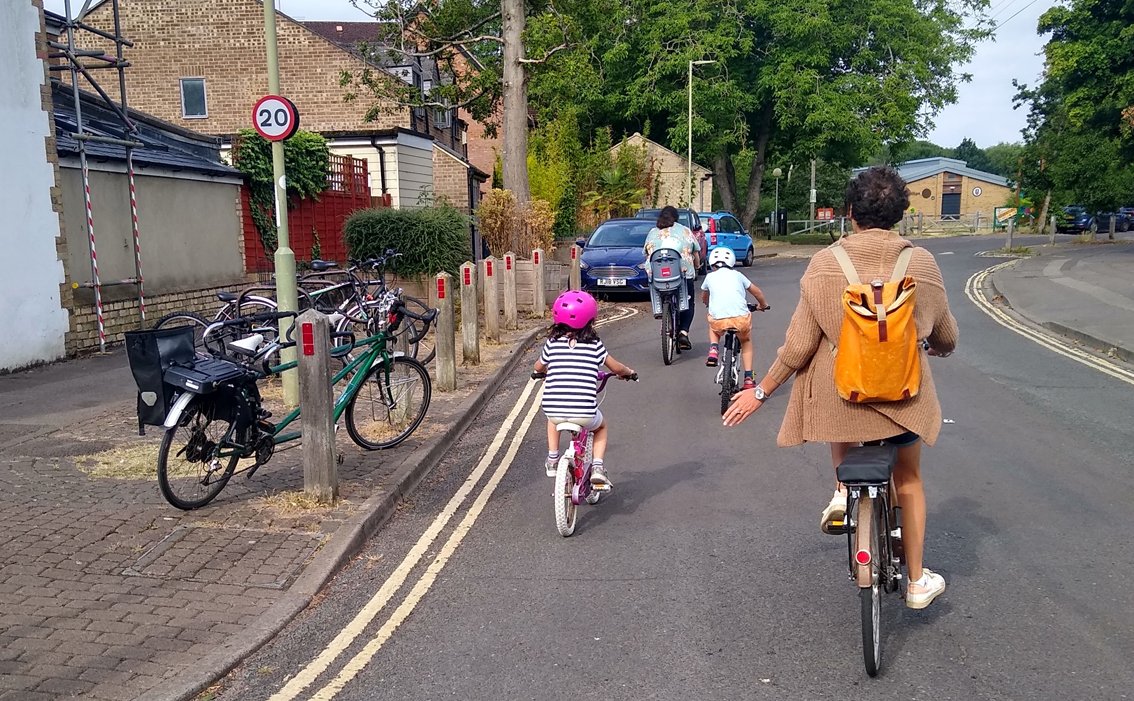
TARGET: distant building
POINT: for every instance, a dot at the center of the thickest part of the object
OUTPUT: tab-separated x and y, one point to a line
668	168
945	188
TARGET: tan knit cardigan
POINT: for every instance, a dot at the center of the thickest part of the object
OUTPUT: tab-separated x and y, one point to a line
815	412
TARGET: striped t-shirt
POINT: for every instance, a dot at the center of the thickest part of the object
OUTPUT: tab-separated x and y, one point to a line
571	388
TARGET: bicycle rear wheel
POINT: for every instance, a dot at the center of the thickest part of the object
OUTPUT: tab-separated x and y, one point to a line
198	322
566	511
192	466
422	356
728	376
867	536
668	334
386	409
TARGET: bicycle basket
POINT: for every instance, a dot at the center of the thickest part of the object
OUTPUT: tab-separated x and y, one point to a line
665	270
150	354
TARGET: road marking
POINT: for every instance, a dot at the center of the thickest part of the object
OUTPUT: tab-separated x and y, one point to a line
945	253
366	615
364	656
623	313
974	289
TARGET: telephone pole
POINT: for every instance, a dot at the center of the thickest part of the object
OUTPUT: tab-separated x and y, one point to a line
811	216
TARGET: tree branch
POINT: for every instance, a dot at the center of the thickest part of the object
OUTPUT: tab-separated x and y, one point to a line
546	56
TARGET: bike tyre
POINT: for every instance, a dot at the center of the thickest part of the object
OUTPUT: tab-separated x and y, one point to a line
594	495
165	483
566	511
668	338
728	378
198	322
419	307
377	375
867	537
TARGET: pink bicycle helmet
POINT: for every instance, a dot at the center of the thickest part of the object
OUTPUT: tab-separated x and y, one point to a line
574	308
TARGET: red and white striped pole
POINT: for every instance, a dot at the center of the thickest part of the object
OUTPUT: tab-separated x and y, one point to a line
94	256
137	235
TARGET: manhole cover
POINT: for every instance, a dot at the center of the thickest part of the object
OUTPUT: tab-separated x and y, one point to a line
241	557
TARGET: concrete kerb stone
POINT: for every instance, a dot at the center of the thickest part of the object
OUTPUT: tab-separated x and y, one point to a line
343	545
1049	327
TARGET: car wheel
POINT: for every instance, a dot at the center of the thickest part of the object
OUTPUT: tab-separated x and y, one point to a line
749	257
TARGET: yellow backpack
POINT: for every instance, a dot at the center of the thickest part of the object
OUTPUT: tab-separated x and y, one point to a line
877	359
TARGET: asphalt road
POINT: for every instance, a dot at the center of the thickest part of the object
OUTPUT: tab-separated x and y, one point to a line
704	574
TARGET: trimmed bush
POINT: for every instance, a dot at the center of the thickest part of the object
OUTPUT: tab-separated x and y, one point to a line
432	240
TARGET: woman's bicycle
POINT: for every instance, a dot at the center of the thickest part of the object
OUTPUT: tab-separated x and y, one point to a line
217	416
573	474
728	374
669	297
874	537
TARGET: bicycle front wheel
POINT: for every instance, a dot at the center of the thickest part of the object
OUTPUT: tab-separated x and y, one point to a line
728	377
388	407
193	466
198	322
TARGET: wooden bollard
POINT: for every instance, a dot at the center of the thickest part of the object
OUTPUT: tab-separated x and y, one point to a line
508	277
470	322
320	471
446	336
576	280
539	295
489	275
1052	232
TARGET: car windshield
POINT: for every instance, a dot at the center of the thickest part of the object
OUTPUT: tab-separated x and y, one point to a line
621	234
683	216
1075	211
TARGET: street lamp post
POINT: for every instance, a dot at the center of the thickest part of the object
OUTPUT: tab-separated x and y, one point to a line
776	173
689	159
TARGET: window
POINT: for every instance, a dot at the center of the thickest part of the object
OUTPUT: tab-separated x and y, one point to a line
442	118
193	104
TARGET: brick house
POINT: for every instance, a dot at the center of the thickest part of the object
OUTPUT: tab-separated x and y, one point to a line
669	168
948	189
202	64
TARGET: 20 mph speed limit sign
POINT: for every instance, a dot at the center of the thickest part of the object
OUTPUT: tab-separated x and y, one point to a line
275	118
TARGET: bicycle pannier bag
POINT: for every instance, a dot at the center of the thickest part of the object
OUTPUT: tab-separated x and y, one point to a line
665	276
151	353
878	358
204	376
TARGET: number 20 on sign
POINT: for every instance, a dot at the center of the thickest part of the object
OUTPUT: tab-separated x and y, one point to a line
275	118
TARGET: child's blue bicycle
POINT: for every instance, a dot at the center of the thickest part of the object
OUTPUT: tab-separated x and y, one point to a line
573	474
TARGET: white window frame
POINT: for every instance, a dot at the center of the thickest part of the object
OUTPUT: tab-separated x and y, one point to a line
204	91
447	115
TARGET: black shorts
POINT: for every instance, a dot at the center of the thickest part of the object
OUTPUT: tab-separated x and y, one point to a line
903	440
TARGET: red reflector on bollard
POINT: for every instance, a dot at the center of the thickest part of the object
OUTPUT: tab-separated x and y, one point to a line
574	252
488	268
507	262
307	338
535	257
440	288
468	276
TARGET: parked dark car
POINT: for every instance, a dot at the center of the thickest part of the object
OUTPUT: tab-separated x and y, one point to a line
724	229
613	258
1076	219
691	220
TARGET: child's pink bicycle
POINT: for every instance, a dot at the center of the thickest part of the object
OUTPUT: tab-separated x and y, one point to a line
573	475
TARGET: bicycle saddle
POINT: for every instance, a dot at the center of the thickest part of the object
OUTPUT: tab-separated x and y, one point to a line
226	296
568	426
866	465
322	265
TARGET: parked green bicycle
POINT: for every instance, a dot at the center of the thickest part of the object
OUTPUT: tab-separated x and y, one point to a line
216	416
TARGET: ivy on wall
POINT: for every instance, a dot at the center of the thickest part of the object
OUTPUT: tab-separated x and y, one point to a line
306	159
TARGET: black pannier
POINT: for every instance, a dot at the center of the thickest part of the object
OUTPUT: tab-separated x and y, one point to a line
151	353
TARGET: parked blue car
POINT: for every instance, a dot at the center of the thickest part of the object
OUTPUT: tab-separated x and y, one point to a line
613	258
724	229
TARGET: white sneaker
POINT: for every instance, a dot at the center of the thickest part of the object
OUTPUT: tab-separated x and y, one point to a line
550	466
921	594
599	480
835	511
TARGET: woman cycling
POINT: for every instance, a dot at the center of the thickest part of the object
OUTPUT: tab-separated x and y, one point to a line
670	234
876	200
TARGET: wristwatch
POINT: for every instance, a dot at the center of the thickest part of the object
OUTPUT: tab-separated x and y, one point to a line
761	395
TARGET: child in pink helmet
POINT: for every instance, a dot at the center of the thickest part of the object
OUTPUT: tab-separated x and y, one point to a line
572	357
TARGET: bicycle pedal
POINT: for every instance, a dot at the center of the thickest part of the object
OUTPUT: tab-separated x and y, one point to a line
837	527
600	487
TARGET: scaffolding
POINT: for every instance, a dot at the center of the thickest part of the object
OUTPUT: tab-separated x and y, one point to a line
82	62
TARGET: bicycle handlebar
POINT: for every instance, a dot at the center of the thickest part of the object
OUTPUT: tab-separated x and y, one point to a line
603	376
758	308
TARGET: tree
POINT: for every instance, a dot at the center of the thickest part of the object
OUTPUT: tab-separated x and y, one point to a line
973	156
483	47
1079	144
1004	159
792	80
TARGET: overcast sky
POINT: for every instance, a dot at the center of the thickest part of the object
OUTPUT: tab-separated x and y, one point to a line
983	111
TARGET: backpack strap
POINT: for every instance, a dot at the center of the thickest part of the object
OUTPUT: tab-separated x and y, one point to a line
903	264
845	263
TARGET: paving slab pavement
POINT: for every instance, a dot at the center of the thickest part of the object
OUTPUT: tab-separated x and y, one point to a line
107	592
1082	291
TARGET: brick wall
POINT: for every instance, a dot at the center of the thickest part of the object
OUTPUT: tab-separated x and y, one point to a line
450	179
482	148
223	42
925	197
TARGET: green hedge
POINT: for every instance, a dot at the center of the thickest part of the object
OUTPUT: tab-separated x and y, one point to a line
432	239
